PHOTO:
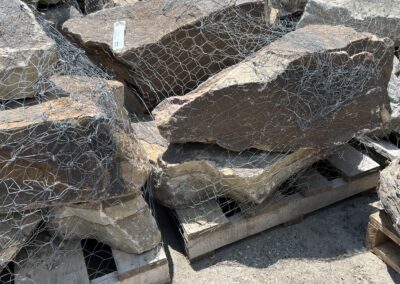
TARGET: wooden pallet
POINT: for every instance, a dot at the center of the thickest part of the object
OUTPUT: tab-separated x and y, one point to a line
382	240
149	267
206	228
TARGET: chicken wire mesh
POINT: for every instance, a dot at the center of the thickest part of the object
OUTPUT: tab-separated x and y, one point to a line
68	142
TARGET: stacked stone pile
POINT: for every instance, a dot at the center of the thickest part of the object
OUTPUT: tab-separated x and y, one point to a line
198	100
68	155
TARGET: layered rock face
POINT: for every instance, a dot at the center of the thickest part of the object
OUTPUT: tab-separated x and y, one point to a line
26	53
170	49
381	18
192	173
389	192
301	91
125	224
69	149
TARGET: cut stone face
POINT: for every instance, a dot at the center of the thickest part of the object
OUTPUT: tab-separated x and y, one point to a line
66	150
170	49
389	192
126	224
380	18
26	53
192	173
315	87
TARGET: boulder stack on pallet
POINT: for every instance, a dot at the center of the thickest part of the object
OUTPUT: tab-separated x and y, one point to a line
235	114
246	126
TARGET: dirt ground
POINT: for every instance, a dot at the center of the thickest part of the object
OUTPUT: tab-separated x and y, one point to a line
326	247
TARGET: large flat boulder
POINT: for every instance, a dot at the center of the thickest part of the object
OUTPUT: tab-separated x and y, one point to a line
188	174
378	17
26	52
73	148
170	48
316	87
125	224
389	192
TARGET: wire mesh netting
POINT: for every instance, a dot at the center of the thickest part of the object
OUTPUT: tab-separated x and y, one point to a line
108	106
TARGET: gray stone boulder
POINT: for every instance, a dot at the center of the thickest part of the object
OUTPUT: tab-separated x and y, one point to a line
389	192
26	53
124	224
71	148
57	15
188	174
316	87
378	17
170	49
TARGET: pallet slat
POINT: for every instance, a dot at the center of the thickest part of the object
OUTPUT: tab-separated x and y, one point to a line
352	163
71	270
384	148
149	267
382	240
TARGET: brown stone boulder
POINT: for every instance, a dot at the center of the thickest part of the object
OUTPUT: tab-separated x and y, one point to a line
188	174
315	87
125	224
26	53
169	49
389	192
69	149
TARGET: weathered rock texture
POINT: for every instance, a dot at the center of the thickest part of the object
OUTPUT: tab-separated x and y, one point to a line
69	149
275	9
316	87
57	15
126	224
192	173
91	6
378	17
26	53
171	49
15	231
389	192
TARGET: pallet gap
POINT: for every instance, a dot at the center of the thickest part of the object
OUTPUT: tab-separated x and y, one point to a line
229	206
7	274
326	169
98	258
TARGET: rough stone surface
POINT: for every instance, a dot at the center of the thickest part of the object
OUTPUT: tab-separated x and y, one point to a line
26	53
80	152
171	52
15	231
57	15
276	9
378	17
126	224
188	174
315	87
389	192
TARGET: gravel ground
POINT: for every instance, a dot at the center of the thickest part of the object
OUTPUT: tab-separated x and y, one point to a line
326	247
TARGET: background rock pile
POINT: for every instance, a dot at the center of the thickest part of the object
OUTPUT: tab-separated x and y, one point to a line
205	99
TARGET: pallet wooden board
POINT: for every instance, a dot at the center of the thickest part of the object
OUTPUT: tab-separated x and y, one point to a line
147	268
202	236
382	240
382	147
